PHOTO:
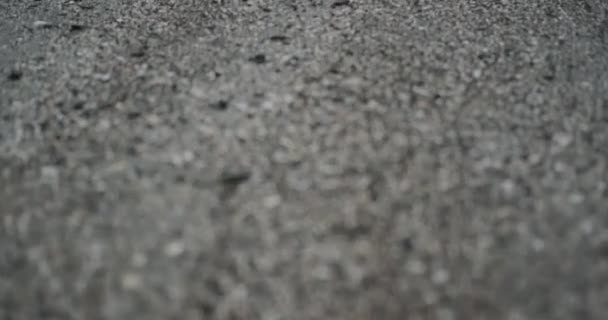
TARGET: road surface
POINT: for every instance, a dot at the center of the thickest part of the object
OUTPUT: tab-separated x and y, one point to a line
305	159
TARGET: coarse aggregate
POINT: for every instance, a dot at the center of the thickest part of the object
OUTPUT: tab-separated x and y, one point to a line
304	159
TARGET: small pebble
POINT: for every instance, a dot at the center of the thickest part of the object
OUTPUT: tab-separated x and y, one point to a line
235	177
416	267
280	38
220	105
131	281
40	24
175	249
440	276
258	59
14	75
340	3
272	201
77	27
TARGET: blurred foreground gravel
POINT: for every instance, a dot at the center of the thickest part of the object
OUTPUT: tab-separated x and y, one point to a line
304	159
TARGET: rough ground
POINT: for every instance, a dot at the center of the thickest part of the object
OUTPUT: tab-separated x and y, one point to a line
304	159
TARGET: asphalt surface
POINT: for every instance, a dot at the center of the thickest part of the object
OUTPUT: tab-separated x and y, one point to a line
305	159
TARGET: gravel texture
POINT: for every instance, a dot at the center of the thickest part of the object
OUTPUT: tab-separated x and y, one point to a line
304	159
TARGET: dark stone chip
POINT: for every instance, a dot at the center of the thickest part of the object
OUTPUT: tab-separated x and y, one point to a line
15	75
280	38
258	58
235	178
340	3
77	27
220	105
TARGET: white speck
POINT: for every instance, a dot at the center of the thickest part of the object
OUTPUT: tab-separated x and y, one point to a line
174	249
153	119
445	314
131	281
421	91
188	156
562	139
41	24
416	267
104	125
576	198
516	315
198	92
103	77
560	167
272	201
440	276
180	159
139	260
586	85
508	186
538	244
49	173
587	226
